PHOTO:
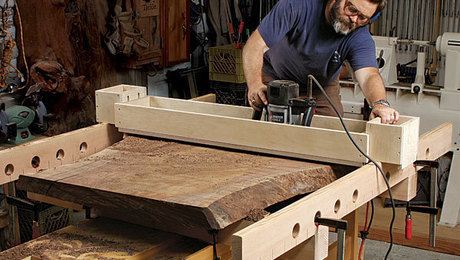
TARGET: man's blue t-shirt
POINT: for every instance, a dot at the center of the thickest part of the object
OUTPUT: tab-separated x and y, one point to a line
301	42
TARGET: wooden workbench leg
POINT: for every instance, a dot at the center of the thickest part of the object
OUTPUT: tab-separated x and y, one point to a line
313	248
13	228
351	237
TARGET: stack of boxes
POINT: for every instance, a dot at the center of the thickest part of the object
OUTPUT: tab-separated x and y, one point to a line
226	75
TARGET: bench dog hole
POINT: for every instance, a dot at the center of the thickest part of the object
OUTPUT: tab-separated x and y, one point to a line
296	230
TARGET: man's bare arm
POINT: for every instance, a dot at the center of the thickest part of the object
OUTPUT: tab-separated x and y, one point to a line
373	89
253	53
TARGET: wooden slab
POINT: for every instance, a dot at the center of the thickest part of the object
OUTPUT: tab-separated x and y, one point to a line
106	239
178	187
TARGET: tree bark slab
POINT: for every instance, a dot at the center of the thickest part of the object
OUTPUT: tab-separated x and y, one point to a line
105	239
177	187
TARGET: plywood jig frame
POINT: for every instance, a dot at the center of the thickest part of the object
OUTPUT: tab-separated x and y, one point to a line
232	127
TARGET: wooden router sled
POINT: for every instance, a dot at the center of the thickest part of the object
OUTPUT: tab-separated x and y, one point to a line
231	126
396	147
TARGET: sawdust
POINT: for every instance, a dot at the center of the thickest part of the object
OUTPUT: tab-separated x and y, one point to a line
60	245
146	145
179	158
185	153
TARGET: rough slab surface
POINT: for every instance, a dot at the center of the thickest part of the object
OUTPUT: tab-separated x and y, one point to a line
105	239
178	187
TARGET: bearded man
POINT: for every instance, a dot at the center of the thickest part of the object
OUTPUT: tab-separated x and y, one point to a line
302	37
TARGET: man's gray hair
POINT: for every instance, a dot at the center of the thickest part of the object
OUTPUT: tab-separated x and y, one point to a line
381	3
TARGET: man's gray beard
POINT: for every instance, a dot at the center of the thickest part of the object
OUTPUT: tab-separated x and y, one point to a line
341	28
337	24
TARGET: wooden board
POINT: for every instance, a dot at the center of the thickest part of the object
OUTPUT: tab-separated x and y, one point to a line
106	239
119	93
396	144
308	249
211	98
432	145
55	151
224	125
178	187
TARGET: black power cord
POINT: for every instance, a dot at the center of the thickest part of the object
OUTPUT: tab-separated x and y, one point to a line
367	227
311	77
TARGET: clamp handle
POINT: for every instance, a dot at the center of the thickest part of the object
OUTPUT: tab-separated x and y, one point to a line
408	230
334	223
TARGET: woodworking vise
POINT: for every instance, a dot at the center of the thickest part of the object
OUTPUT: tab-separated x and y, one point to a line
285	104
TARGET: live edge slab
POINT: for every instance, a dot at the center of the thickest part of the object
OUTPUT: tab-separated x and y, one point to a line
107	239
178	187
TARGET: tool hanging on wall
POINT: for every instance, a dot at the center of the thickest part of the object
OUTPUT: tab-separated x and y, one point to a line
231	30
240	37
124	37
6	66
9	73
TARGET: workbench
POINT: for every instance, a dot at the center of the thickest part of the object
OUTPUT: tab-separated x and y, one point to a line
292	227
164	184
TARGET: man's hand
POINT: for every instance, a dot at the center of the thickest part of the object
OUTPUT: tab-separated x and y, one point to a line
387	114
253	54
373	89
256	97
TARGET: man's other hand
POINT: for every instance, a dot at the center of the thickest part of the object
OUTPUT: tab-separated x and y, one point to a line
387	114
256	97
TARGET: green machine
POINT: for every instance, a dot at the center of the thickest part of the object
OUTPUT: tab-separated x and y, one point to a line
22	117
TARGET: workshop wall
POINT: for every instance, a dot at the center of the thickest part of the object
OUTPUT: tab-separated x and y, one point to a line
65	46
62	39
